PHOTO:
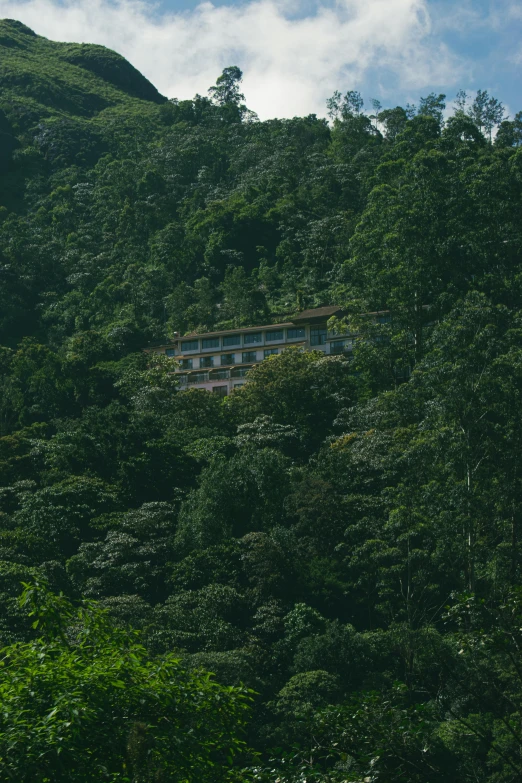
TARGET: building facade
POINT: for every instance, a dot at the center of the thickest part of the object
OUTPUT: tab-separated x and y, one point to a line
220	361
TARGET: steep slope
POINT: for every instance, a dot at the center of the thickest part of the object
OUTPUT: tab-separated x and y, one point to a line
76	79
66	99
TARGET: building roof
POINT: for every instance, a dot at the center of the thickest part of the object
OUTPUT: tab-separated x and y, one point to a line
304	316
235	331
317	313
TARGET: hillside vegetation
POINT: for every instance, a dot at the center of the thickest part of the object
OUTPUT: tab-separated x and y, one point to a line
340	541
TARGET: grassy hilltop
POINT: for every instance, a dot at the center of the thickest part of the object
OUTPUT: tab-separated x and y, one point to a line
61	79
69	102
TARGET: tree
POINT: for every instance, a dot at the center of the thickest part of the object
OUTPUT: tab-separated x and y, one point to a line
484	688
132	559
340	108
510	132
300	389
226	89
51	522
201	314
226	94
461	101
377	108
486	111
433	106
235	496
204	620
85	702
393	120
243	301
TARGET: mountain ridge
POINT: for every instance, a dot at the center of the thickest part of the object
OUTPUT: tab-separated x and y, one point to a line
66	78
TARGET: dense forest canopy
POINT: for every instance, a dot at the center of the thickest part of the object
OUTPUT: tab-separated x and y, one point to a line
339	542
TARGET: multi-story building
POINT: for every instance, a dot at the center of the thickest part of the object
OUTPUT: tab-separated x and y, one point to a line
220	361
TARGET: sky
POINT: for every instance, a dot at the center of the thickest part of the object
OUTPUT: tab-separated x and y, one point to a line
295	53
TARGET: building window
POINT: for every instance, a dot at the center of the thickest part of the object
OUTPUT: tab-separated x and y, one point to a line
318	336
295	334
253	337
228	358
272	337
206	361
337	346
238	385
210	342
270	352
220	375
221	391
190	345
170	352
186	364
198	377
231	339
249	356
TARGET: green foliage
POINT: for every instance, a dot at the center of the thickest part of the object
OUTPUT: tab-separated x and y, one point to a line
132	560
85	702
235	496
342	534
298	389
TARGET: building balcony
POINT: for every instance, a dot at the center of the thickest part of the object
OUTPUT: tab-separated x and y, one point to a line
219	374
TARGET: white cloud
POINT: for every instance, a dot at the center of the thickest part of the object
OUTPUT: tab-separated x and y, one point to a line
291	65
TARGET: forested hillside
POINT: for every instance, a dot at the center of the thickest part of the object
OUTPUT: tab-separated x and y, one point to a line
340	541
